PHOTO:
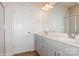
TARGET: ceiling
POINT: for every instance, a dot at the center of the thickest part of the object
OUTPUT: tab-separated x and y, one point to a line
63	4
66	4
38	4
41	4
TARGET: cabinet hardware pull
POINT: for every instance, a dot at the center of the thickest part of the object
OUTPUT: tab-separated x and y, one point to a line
55	53
58	54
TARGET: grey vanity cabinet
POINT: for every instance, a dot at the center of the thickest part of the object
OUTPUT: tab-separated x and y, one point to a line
55	48
42	46
51	47
37	44
51	51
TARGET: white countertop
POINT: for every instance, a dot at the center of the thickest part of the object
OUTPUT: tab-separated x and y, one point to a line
70	41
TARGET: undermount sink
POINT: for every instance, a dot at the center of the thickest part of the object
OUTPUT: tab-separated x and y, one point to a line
60	36
67	39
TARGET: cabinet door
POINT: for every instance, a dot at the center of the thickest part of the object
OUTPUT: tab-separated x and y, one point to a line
59	53
45	50
40	46
37	43
52	52
50	49
1	30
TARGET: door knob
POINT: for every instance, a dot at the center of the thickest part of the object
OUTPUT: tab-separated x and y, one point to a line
28	32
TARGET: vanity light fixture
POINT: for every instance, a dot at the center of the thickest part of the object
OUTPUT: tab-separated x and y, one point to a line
46	7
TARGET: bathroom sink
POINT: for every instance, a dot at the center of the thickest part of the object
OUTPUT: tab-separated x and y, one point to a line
67	39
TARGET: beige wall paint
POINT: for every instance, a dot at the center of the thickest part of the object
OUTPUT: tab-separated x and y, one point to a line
74	10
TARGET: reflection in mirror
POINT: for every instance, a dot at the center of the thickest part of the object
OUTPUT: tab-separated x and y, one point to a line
74	21
62	20
77	24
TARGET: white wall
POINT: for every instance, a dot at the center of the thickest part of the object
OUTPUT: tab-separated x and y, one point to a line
47	24
36	20
74	10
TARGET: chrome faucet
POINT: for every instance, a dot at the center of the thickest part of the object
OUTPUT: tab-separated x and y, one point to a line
72	35
45	32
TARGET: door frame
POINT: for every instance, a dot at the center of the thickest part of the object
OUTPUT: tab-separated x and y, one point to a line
3	27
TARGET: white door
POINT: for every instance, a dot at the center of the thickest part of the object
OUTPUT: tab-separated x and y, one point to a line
1	30
22	38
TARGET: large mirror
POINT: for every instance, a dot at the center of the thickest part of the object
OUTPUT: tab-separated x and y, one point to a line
73	21
65	18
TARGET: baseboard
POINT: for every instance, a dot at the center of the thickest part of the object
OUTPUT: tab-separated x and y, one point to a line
8	54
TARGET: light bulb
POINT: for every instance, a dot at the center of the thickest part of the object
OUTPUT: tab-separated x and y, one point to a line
47	5
45	8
